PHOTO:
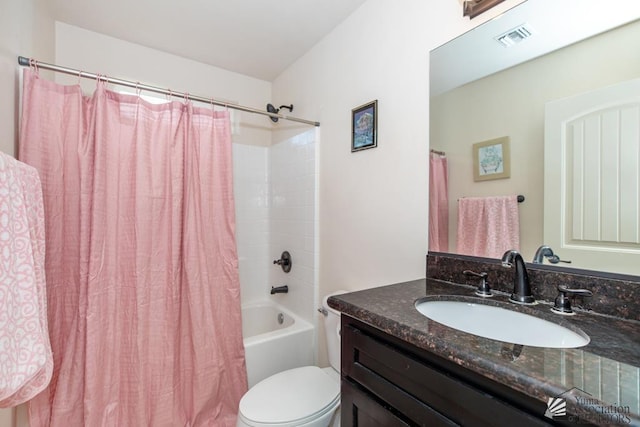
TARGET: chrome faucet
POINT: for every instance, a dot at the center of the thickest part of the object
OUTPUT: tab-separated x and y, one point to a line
521	287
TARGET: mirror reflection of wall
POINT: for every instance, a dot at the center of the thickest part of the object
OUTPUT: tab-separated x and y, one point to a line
511	103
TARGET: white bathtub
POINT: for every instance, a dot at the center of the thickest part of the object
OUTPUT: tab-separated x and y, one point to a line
271	347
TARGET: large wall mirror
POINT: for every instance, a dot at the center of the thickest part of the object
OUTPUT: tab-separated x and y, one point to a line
496	80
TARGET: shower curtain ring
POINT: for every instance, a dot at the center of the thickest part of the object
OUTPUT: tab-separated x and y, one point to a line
138	91
34	64
186	97
169	95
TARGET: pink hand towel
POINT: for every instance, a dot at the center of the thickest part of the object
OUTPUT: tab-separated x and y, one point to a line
488	226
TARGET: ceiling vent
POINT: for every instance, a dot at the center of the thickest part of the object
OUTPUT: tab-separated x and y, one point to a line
515	35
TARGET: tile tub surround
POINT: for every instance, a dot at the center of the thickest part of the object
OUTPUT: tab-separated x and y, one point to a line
537	372
613	294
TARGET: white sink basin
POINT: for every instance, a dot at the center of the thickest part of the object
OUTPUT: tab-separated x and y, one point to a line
501	324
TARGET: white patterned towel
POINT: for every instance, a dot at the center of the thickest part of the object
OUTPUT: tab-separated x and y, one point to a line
26	362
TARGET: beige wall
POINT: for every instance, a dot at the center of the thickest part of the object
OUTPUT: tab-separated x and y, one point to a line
94	52
25	29
511	103
373	203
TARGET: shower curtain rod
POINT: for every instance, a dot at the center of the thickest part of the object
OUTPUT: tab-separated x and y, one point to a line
26	62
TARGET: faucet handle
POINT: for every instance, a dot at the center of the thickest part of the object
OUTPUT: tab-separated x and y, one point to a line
554	259
582	292
484	290
562	304
285	261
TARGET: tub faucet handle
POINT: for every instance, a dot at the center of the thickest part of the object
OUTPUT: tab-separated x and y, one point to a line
285	261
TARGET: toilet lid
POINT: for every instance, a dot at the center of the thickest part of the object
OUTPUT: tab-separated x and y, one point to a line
289	396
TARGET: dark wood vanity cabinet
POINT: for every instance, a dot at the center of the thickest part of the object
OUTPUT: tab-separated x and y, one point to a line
388	382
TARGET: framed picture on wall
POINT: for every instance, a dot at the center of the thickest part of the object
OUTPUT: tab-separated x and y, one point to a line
491	159
473	8
364	126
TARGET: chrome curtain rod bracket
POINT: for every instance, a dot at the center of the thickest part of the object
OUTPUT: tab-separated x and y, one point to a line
27	62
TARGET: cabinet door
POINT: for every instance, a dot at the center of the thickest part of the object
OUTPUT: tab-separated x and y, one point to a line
424	394
360	409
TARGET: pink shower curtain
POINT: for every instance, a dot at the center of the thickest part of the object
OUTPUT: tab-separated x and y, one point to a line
438	204
141	263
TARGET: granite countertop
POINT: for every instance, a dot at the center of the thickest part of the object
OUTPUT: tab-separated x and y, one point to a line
604	374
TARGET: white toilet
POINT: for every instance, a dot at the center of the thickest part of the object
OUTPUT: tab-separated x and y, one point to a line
300	397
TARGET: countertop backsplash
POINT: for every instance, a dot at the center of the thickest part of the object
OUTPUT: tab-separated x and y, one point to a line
613	294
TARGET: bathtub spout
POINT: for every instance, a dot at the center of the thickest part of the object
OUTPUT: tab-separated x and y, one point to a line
279	290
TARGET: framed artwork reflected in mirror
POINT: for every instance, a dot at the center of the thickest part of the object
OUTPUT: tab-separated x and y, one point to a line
491	159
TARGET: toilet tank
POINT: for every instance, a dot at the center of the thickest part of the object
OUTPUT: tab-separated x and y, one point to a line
332	331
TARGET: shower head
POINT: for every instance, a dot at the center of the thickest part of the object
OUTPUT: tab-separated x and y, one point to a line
272	109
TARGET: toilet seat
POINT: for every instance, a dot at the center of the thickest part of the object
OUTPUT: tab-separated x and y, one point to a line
290	398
